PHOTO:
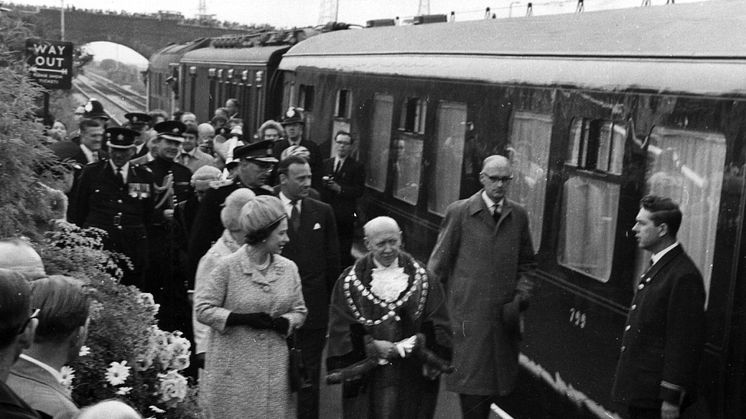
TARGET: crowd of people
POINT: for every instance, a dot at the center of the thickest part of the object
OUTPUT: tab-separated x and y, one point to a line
246	242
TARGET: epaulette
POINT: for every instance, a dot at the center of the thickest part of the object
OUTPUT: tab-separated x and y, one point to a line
143	167
217	184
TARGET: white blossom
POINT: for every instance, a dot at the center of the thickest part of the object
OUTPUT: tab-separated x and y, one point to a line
117	373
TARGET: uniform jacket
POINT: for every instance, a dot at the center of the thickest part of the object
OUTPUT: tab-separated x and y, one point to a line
246	369
40	389
315	249
207	226
182	188
351	178
100	200
483	265
664	335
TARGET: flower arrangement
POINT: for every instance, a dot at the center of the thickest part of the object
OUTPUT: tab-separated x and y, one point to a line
126	355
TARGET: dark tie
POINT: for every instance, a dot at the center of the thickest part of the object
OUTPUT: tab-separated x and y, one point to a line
120	178
336	169
496	213
295	215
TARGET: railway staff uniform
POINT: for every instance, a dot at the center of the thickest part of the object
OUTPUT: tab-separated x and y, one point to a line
116	196
483	257
314	247
165	277
663	338
254	166
293	122
344	183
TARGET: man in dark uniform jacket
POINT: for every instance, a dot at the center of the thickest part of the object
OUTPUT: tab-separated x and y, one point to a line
117	197
664	337
255	163
293	122
138	121
344	183
165	278
314	247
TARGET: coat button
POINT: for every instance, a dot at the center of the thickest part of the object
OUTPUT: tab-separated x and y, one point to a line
119	201
634	307
627	328
265	288
641	286
623	348
647	280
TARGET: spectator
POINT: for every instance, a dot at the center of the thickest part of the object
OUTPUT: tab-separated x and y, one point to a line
58	132
17	255
232	108
189	154
189	119
271	131
205	135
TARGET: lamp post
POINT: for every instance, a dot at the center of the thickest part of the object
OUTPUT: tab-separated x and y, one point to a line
62	20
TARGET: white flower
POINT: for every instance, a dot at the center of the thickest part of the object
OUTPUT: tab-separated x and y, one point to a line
142	364
123	391
164	358
67	374
84	350
180	362
147	299
173	387
117	373
179	346
156	409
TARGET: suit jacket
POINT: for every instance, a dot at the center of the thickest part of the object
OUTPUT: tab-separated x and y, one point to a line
194	162
315	161
40	389
315	250
13	407
483	265
207	226
351	178
664	336
98	197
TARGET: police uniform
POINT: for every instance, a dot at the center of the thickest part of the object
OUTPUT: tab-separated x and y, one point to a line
207	226
295	116
101	199
165	278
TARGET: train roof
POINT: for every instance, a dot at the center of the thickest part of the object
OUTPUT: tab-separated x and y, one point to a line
695	48
172	53
255	55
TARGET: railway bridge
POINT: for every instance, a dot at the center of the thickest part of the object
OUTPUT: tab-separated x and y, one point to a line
143	33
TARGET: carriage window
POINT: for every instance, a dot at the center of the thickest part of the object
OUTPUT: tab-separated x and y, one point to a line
306	97
445	184
380	138
687	166
530	137
406	166
413	113
596	144
343	106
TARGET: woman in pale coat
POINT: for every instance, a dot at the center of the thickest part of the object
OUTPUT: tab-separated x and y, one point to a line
252	300
233	237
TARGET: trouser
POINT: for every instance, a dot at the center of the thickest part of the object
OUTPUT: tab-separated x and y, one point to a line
311	342
478	406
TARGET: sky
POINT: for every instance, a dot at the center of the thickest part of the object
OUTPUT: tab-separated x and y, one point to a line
290	13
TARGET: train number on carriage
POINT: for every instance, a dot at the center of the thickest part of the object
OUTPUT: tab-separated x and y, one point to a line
577	318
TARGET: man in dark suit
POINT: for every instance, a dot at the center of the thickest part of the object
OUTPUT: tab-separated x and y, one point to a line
664	336
138	121
314	247
89	149
116	196
344	183
293	122
255	164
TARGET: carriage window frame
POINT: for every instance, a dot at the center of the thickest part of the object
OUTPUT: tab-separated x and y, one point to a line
413	114
594	168
445	177
379	146
306	96
343	104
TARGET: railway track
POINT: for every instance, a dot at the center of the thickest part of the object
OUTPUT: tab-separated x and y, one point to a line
116	100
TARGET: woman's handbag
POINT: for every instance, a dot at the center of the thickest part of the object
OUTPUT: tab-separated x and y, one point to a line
299	378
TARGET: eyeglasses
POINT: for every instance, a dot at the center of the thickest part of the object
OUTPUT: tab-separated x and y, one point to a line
34	314
343	143
503	179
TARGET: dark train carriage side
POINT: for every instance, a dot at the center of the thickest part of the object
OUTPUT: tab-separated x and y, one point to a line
594	115
164	75
233	70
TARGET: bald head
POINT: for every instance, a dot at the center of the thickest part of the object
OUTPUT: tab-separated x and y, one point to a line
17	255
205	130
495	176
383	239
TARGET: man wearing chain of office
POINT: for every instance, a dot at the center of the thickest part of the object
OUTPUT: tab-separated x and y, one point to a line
381	308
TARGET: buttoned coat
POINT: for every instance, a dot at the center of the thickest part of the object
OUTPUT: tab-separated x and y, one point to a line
41	390
246	369
664	335
315	249
482	265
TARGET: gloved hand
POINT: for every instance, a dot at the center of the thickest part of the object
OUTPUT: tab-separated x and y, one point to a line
511	317
255	320
280	325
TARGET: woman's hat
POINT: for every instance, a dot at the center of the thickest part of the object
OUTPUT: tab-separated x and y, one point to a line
261	212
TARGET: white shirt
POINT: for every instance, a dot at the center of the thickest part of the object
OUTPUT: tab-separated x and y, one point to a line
125	169
138	148
88	154
288	207
656	257
56	374
491	204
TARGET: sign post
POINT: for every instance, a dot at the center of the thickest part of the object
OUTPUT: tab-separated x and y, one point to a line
50	63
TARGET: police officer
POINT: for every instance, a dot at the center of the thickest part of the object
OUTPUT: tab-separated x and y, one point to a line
165	278
117	197
294	122
138	121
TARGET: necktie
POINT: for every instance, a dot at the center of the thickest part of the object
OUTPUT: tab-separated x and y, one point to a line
496	212
119	176
294	215
336	168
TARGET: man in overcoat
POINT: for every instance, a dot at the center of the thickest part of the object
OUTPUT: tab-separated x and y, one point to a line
664	335
484	258
314	247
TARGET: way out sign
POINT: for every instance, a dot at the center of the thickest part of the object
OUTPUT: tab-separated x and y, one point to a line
50	63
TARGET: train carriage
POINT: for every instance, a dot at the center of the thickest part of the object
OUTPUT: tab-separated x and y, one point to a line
595	110
164	75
